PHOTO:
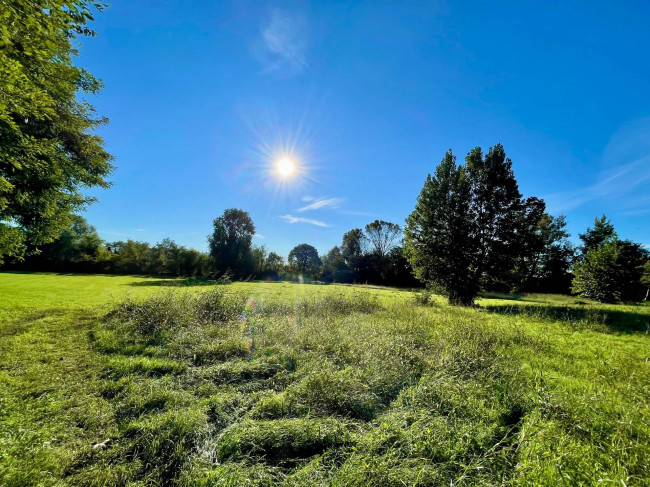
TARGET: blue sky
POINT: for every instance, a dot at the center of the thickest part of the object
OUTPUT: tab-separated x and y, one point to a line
203	96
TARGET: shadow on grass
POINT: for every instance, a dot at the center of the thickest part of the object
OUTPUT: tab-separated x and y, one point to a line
176	282
614	320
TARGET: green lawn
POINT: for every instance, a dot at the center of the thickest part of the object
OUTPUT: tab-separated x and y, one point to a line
122	380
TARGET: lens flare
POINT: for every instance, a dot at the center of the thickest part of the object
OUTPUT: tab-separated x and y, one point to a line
285	167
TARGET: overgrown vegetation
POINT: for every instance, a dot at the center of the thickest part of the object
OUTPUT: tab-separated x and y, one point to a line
280	384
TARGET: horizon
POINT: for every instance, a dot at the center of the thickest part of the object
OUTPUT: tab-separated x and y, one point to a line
203	102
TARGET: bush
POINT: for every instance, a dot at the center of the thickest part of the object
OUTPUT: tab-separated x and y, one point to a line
611	272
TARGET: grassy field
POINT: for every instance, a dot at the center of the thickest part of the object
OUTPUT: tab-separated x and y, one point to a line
121	380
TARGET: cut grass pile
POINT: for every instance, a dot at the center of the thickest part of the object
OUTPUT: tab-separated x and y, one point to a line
265	384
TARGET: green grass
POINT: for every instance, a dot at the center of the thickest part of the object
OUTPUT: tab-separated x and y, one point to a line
121	380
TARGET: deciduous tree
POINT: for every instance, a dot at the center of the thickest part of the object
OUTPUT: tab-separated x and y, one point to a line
231	240
382	236
304	259
48	151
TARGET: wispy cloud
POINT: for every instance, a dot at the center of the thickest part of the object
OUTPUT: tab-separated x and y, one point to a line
258	235
319	203
307	199
285	43
623	179
297	219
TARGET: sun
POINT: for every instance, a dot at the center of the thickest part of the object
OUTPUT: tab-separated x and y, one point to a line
285	167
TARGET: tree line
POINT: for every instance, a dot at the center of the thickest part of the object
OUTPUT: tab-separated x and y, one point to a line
371	255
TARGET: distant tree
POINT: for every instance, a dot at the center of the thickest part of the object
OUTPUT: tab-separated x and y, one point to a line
304	259
165	258
464	231
602	233
333	260
193	263
397	270
131	257
230	242
77	248
352	247
612	271
545	253
274	262
382	236
258	259
48	152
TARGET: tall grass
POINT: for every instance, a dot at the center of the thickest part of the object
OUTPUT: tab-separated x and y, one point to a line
231	388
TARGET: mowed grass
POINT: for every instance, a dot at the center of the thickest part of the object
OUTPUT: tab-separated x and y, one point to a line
120	380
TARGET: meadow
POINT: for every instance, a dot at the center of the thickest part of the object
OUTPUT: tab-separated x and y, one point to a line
122	380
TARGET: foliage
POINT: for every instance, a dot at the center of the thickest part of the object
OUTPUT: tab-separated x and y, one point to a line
48	152
352	247
609	269
274	262
437	233
231	240
545	255
612	272
304	259
602	232
333	261
472	229
645	279
382	236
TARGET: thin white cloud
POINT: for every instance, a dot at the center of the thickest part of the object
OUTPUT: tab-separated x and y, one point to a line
258	235
624	178
285	43
297	219
307	199
323	203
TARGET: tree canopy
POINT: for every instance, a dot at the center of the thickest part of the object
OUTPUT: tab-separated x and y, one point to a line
382	236
610	269
304	258
48	151
470	225
231	241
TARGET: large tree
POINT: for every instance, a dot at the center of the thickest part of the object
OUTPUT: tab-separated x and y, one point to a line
465	231
495	215
437	232
48	151
231	240
304	259
382	236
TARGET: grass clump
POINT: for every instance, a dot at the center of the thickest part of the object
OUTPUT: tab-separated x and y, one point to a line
283	440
